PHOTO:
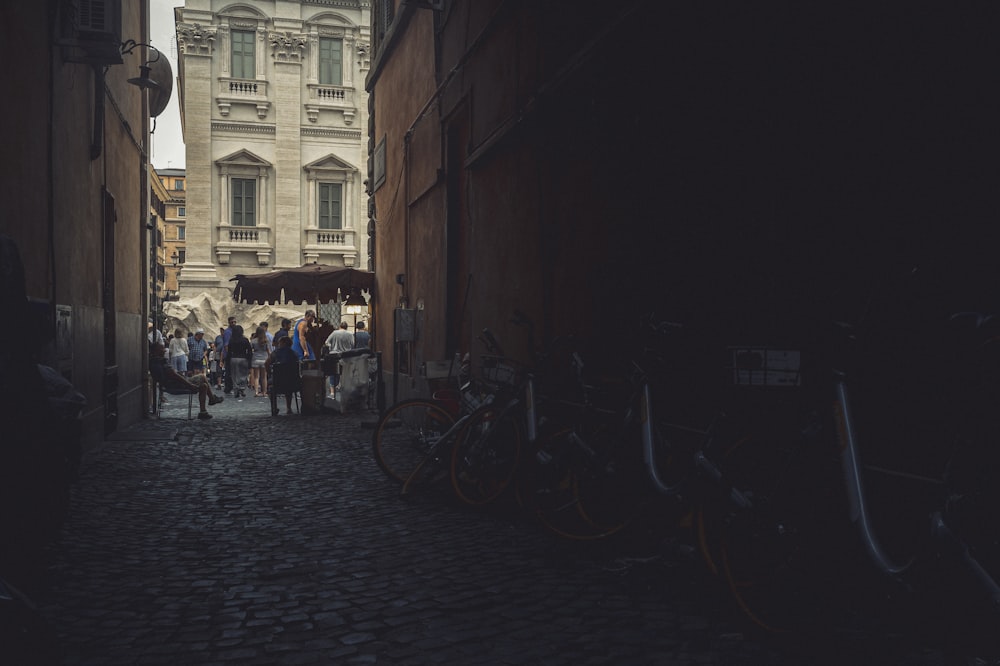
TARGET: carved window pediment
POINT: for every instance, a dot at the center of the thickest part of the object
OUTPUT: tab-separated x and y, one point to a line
330	164
244	161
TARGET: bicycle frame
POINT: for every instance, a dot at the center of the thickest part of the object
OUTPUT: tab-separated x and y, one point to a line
701	462
851	466
434	450
858	505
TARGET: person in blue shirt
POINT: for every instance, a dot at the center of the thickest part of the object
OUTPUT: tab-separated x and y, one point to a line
197	351
300	345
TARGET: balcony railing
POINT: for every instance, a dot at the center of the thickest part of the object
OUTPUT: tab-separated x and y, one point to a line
330	238
242	91
339	242
335	98
244	239
247	236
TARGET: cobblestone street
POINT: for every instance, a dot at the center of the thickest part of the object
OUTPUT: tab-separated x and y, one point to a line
252	539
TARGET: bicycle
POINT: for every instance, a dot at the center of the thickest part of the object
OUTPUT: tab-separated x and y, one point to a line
487	453
783	498
412	440
768	555
486	457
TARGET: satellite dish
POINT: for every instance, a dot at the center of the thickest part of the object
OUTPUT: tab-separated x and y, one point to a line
162	73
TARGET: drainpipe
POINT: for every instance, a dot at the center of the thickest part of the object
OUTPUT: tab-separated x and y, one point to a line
97	142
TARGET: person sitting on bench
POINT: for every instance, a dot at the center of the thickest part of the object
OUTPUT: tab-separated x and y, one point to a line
171	382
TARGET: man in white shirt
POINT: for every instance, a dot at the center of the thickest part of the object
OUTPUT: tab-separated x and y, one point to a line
341	340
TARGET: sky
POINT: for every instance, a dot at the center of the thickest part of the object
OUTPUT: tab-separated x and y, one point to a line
167	143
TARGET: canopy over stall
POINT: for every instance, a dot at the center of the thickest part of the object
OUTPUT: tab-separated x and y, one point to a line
313	283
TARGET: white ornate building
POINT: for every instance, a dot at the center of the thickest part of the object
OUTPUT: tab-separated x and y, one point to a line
275	120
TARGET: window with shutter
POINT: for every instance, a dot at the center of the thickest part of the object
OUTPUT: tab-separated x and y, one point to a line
243	54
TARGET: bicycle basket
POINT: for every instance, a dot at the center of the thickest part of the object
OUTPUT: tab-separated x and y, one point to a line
499	370
766	367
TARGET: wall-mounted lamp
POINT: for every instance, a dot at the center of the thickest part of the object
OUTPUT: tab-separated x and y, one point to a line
143	80
173	259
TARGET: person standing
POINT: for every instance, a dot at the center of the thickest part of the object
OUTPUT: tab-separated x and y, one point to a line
154	335
300	345
258	363
270	336
286	326
212	366
362	338
219	342
227	334
239	353
179	352
197	352
287	383
339	342
157	345
190	339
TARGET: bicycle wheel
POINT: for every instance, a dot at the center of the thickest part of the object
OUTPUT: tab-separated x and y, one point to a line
560	487
771	557
485	456
405	434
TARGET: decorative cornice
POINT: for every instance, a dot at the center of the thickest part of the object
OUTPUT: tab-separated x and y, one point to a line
330	132
347	4
286	46
364	50
242	128
195	39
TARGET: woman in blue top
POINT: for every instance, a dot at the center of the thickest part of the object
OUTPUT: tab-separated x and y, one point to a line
300	345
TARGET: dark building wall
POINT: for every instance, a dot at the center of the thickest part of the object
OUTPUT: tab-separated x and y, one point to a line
753	170
76	256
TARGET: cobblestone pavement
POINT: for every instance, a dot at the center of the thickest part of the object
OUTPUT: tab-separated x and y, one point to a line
251	539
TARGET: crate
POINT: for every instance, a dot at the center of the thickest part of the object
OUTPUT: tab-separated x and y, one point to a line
765	367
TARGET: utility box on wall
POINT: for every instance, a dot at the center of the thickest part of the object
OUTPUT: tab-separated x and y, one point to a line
406	325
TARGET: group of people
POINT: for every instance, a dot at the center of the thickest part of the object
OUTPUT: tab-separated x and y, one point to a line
243	360
234	362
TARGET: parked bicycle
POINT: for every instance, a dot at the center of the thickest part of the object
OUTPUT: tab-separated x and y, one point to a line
413	439
923	530
528	403
777	480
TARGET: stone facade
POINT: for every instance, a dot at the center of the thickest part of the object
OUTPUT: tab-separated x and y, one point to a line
158	233
175	229
275	120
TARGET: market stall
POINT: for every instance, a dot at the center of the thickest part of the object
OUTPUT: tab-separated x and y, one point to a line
314	284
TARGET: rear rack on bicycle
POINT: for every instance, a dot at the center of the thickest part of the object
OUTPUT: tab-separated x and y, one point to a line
765	366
